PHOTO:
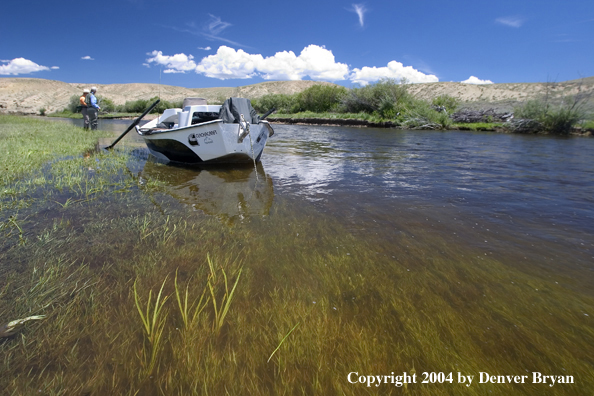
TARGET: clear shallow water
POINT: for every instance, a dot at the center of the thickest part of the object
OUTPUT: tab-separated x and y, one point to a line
391	250
526	200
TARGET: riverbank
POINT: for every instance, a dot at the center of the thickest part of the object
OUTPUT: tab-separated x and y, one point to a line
353	122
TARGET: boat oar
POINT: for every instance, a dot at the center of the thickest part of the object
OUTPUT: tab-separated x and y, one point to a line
268	113
136	121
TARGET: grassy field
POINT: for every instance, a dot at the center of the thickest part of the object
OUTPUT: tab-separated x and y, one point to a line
143	297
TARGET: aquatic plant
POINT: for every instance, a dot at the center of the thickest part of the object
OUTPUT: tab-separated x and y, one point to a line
222	308
153	320
318	298
189	310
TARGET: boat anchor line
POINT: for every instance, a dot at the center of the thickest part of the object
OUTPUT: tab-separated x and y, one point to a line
244	129
247	131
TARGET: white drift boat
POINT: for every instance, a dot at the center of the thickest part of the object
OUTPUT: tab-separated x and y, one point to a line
204	134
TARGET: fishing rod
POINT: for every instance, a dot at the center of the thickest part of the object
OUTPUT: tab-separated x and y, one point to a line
136	121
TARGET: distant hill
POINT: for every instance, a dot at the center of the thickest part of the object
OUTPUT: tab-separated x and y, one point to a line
28	95
505	96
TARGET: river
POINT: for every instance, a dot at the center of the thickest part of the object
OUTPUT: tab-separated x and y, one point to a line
392	250
527	199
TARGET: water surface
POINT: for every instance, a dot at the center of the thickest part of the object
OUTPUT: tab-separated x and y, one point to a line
386	251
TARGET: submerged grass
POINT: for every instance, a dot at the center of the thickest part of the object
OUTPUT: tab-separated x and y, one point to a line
289	303
357	309
153	320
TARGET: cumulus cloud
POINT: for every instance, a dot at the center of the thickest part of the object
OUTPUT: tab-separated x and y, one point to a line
360	10
228	63
87	58
476	80
20	66
395	70
512	21
314	61
179	63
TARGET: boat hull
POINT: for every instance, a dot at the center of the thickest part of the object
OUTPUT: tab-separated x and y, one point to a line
212	142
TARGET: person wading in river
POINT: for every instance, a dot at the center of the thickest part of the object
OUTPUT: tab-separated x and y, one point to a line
92	108
83	104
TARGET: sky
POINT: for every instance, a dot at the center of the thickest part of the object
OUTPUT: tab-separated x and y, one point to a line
199	44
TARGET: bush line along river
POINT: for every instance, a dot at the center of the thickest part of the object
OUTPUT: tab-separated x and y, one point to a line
348	256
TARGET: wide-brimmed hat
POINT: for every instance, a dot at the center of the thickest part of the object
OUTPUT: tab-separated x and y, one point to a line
86	90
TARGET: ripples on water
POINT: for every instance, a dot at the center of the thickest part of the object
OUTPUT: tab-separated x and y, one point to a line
392	250
526	189
522	198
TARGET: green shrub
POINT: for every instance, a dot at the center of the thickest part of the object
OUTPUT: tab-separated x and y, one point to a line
106	104
557	119
73	104
532	110
421	114
447	102
282	102
320	98
134	106
387	97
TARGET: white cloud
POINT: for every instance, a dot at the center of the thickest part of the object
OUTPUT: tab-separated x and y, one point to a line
87	58
314	61
216	25
205	48
476	80
512	21
178	62
395	70
228	63
20	66
360	10
54	67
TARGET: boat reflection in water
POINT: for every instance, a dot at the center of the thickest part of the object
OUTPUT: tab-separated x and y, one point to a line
230	193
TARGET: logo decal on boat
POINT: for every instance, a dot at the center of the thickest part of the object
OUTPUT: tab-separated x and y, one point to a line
193	140
207	133
207	140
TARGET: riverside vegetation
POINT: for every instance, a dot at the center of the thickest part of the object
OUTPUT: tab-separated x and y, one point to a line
387	102
142	297
110	110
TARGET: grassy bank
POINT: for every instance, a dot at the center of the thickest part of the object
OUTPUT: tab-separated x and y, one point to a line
142	295
390	103
69	114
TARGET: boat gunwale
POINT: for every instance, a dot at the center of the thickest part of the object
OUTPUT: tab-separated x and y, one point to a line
152	131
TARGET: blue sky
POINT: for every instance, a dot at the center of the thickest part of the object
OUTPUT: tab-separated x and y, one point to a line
199	44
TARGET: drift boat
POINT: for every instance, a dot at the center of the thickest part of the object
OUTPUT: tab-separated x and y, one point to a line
208	134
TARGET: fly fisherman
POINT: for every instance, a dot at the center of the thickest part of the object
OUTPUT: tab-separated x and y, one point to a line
83	104
93	108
